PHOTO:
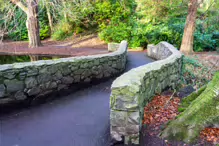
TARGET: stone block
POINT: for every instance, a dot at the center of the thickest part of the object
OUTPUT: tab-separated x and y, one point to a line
118	118
20	95
30	82
113	47
9	74
33	91
14	85
2	90
133	118
67	80
43	78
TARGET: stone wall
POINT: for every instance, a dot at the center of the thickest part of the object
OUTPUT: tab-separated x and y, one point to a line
21	81
134	89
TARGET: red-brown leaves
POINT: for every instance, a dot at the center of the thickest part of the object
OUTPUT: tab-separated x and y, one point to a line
210	135
164	108
160	110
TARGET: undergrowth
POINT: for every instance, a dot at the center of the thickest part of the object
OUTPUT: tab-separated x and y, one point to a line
194	73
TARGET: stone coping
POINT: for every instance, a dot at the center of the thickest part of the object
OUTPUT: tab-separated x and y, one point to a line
122	49
135	75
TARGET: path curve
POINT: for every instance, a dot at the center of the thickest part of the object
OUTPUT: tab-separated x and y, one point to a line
79	119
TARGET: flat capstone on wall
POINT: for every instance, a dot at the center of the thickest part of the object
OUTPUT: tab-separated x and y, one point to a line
21	81
133	90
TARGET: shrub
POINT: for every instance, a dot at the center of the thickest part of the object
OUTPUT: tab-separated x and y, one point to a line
62	31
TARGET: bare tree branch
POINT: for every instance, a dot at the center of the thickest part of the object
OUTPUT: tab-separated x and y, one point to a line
20	5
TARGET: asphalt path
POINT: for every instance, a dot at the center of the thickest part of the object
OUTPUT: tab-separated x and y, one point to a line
78	119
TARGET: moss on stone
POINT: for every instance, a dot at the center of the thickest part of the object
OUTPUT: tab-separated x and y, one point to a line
189	99
202	112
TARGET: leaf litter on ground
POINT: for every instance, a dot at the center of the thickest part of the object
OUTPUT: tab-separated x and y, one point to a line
164	108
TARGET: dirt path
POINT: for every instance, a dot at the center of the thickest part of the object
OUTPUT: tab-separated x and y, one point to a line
78	46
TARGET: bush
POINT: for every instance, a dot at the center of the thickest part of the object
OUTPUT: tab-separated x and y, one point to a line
116	33
141	29
62	31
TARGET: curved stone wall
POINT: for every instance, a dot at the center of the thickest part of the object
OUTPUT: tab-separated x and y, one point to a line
134	89
21	81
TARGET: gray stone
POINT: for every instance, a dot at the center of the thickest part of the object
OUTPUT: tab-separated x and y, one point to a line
99	76
113	47
20	95
94	70
30	82
53	85
132	138
114	65
132	129
79	71
9	74
62	86
86	73
14	85
73	68
33	91
52	69
133	118
44	93
57	76
82	77
22	75
67	80
84	65
96	62
43	70
110	63
117	132
102	60
87	80
43	78
49	85
2	90
106	74
58	82
118	118
32	72
65	70
77	78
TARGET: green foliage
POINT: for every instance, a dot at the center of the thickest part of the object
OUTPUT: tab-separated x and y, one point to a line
13	59
194	73
62	31
17	25
140	22
155	21
116	33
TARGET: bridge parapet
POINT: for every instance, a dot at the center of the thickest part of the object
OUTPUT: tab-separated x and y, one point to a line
134	89
26	81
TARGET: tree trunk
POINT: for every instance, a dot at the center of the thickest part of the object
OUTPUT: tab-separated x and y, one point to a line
188	36
49	16
33	24
201	113
33	58
65	10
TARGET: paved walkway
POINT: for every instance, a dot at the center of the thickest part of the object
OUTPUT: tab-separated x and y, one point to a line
79	119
